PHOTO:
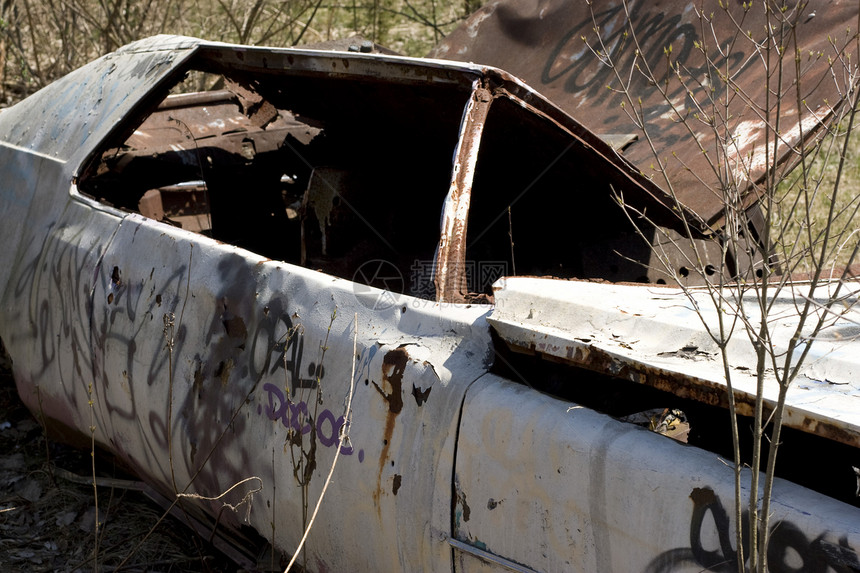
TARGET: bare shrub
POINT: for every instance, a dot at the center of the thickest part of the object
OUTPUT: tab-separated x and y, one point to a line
775	160
42	40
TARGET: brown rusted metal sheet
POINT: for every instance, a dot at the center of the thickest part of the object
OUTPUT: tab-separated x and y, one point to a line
237	121
560	48
450	262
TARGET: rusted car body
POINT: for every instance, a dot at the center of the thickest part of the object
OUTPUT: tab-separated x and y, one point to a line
216	285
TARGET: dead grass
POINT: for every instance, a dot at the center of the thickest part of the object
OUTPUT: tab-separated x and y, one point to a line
46	522
793	204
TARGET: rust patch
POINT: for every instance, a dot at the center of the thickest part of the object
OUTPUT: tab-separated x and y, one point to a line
393	367
829	431
420	395
461	500
256	108
703	497
235	327
450	280
679	384
397	481
224	370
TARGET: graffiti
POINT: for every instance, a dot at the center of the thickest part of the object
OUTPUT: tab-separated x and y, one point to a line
656	31
297	416
277	345
53	298
572	68
789	549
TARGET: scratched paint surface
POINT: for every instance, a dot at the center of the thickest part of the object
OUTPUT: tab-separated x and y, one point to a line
77	111
233	367
244	338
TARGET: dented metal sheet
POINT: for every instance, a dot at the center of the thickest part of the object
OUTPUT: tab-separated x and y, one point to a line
654	336
559	48
248	368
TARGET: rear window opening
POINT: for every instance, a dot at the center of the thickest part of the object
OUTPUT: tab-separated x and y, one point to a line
545	207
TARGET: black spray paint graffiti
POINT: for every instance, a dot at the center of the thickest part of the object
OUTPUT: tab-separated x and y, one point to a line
173	402
278	344
789	550
571	66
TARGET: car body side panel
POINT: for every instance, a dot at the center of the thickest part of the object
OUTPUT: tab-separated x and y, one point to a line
560	487
25	172
222	378
208	377
47	309
52	243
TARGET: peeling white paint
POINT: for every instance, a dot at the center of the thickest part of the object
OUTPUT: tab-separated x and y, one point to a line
747	151
474	24
566	317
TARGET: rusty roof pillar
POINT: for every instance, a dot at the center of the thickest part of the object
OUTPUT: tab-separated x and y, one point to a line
450	277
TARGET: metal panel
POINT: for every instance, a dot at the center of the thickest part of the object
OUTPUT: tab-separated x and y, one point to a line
558	487
24	173
202	365
247	344
652	335
48	310
545	44
71	116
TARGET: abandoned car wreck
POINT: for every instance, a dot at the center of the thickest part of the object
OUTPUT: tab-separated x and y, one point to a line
227	263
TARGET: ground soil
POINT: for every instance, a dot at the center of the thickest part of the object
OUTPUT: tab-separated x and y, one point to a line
47	521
